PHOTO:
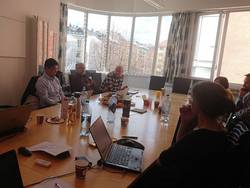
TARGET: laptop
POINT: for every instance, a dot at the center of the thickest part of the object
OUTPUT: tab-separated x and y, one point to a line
113	154
13	119
9	172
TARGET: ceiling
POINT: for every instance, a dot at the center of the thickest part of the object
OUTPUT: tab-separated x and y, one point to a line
147	6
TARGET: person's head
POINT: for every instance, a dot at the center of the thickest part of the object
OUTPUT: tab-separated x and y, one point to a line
210	100
246	84
51	67
119	71
80	68
223	81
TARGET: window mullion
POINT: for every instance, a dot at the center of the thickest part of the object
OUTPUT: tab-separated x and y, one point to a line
85	36
131	44
223	39
107	43
216	48
156	44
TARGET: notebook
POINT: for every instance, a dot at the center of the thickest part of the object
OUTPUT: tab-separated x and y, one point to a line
113	154
14	119
9	171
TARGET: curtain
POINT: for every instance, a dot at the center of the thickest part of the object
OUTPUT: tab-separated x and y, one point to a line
176	52
63	34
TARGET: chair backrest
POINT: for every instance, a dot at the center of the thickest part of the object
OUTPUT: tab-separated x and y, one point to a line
97	79
181	85
157	82
30	89
134	81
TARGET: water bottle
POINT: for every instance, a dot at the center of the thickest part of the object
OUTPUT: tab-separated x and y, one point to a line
86	117
165	109
84	95
111	109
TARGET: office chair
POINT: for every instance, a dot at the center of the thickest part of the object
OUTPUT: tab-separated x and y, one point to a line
30	89
157	82
97	79
181	85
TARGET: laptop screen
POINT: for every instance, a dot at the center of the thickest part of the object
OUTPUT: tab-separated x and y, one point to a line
101	137
9	172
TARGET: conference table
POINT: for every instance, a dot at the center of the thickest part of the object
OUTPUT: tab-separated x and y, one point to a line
151	132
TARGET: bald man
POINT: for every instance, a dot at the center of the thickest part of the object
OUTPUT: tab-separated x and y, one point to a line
113	81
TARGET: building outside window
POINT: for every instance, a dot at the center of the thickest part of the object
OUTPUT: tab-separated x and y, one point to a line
119	42
143	45
75	39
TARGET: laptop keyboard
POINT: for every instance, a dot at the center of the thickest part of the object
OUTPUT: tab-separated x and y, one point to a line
119	155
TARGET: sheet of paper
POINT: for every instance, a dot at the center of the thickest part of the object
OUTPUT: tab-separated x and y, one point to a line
51	148
53	183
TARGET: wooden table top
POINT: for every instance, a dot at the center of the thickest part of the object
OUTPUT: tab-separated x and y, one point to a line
147	127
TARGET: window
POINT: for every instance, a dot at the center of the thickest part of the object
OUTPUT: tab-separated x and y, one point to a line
119	42
75	39
143	45
205	46
236	56
96	42
163	40
104	41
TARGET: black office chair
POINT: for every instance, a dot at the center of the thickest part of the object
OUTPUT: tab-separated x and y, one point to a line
30	89
97	79
181	85
157	82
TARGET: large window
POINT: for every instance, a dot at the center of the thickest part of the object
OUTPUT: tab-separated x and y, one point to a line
205	46
163	41
96	42
104	41
119	43
75	39
236	56
143	45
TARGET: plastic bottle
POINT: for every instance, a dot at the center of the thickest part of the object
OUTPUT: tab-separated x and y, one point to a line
84	94
165	109
86	115
111	109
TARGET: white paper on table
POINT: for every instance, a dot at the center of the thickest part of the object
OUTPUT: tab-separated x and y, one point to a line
50	148
51	183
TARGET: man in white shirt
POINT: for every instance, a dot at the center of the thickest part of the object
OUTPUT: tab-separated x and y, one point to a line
48	87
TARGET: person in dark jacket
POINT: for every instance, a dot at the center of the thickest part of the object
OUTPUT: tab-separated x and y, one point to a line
198	158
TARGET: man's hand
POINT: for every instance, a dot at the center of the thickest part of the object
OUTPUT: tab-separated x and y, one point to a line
186	115
124	87
242	92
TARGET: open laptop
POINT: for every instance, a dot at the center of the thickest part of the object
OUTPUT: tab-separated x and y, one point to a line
9	172
113	154
14	119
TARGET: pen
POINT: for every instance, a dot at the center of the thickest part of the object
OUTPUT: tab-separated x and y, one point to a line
58	185
131	137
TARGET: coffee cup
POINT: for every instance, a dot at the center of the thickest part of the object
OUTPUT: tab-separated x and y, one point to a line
81	167
39	119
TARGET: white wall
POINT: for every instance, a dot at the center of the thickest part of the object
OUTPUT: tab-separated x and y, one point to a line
16	71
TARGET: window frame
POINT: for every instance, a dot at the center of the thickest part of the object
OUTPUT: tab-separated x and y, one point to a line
216	48
223	40
133	16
